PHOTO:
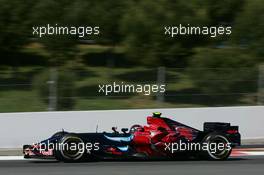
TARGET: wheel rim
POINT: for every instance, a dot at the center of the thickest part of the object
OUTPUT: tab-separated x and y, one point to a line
72	148
219	153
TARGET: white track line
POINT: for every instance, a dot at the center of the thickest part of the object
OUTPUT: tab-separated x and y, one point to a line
12	158
254	153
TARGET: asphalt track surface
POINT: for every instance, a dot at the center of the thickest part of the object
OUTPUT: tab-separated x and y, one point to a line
240	166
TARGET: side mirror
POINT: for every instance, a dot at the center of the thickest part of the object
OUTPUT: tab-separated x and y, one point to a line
115	129
124	130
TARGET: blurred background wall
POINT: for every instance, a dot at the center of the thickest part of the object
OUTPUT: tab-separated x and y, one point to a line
35	126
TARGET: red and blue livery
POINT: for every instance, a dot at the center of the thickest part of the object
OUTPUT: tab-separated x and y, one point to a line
161	138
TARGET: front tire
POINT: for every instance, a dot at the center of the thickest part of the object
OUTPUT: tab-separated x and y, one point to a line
71	148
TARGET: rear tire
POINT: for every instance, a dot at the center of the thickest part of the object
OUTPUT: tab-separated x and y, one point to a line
215	151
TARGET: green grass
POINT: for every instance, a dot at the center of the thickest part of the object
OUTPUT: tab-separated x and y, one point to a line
17	99
137	102
21	101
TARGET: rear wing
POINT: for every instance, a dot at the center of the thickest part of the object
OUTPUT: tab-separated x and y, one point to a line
232	132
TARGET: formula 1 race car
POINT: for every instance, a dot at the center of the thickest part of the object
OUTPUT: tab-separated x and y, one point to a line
161	138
